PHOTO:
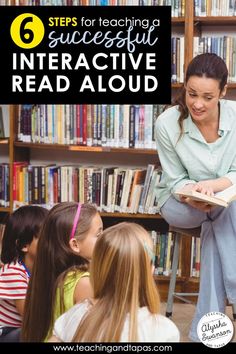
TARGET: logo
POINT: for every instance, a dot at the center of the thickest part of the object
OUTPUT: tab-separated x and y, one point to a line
215	329
27	31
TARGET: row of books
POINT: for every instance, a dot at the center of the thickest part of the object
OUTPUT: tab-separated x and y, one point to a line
201	7
127	126
163	245
112	189
177	59
177	6
2	129
195	257
4	185
224	46
164	248
215	7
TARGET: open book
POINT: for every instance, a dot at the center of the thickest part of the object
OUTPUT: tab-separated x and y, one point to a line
223	198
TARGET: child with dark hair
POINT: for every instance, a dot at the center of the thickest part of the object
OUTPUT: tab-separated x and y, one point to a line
19	246
60	276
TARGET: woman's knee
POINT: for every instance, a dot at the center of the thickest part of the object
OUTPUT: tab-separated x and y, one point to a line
182	215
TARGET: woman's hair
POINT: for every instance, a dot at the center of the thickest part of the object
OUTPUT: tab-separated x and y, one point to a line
207	65
22	226
122	282
54	257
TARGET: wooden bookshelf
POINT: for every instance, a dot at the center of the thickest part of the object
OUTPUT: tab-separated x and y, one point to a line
4	141
215	20
84	149
20	151
4	210
132	216
178	21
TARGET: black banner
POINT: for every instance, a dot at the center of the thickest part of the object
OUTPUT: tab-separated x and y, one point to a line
85	55
113	348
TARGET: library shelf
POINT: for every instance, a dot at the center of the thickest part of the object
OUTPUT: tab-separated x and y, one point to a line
4	141
131	216
215	20
84	148
5	209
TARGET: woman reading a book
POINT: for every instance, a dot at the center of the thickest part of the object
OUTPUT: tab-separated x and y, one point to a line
196	146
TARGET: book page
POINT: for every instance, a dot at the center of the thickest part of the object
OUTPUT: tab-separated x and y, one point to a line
228	194
213	200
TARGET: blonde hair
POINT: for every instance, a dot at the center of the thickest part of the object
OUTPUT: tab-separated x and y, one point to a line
122	281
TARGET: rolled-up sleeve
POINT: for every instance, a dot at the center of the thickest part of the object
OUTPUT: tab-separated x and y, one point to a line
231	175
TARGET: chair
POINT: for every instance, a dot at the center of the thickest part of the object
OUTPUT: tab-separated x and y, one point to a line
177	232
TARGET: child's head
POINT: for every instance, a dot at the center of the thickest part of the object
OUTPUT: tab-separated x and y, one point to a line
21	233
69	235
122	280
87	226
121	267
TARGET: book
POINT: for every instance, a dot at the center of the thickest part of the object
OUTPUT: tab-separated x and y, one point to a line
223	198
2	134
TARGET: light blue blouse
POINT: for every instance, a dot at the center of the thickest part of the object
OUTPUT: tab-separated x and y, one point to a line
192	159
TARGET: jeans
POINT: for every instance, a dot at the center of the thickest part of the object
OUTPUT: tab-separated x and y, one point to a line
10	334
218	254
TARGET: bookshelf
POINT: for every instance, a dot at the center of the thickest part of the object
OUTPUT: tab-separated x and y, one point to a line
4	141
188	27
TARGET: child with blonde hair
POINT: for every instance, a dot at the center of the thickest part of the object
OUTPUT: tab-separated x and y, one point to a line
60	276
126	304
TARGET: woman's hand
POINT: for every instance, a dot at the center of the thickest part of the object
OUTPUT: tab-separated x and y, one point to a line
202	206
201	187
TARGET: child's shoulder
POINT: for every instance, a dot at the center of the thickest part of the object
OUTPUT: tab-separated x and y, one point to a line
156	327
13	268
74	275
66	325
14	278
169	327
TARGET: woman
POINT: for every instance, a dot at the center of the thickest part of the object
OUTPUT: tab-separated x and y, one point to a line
196	146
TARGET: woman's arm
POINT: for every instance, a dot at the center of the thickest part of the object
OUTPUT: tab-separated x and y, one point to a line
170	161
214	185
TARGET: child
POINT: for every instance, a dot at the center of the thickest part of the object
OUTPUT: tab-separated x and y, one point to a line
18	252
126	302
60	277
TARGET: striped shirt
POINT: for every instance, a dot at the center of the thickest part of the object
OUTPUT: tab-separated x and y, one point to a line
13	286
